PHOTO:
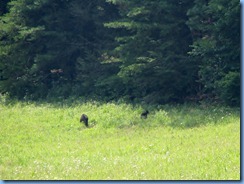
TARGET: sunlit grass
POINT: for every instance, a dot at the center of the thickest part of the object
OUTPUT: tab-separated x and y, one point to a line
44	141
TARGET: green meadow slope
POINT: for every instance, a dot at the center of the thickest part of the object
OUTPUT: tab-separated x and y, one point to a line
47	142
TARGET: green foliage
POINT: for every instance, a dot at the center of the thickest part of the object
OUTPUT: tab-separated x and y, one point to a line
153	61
18	48
156	52
33	46
229	87
216	47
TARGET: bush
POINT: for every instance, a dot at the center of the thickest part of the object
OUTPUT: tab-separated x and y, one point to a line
229	88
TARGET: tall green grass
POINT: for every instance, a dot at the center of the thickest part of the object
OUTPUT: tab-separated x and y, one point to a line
46	141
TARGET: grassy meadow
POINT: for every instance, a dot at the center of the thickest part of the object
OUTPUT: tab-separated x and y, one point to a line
43	141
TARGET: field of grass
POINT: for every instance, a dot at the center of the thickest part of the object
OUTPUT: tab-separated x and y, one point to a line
46	142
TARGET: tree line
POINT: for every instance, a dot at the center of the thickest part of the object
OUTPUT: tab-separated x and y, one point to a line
155	51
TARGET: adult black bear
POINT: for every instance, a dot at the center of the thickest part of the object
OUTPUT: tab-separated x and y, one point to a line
84	118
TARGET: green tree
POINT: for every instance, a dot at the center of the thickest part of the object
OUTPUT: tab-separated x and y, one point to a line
53	47
215	26
16	55
158	51
153	44
92	41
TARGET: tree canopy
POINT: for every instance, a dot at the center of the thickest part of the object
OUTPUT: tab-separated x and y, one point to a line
151	51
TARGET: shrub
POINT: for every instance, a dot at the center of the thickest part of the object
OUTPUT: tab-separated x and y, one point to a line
229	88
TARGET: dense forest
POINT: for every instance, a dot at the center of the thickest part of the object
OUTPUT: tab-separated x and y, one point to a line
152	51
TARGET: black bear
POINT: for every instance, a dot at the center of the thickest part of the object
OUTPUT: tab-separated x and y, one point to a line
144	114
84	118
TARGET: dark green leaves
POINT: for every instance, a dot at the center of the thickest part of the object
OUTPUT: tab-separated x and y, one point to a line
151	51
